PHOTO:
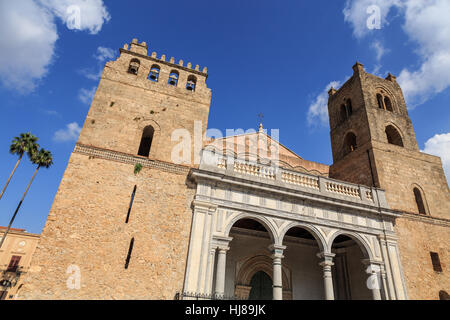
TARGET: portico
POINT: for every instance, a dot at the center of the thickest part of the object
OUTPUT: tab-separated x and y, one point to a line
306	236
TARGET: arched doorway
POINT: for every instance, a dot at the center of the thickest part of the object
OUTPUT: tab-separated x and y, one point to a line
261	287
300	256
349	272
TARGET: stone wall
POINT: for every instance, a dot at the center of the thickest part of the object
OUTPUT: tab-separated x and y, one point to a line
418	236
86	227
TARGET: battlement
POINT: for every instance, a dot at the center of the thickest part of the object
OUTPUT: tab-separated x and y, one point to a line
141	50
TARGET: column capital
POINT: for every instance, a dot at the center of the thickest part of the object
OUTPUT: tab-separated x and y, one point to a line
221	242
277	251
327	259
373	266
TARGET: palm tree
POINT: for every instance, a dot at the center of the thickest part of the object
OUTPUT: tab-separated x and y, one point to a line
43	158
25	143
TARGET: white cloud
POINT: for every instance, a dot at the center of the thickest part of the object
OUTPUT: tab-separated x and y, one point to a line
439	145
27	40
318	110
380	50
104	54
70	133
86	95
28	34
427	24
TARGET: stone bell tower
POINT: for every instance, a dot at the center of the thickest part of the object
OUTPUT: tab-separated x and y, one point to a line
114	231
373	143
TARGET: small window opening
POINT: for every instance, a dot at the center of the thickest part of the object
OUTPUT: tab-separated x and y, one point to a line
173	78
131	204
130	250
146	141
134	66
436	261
154	73
419	201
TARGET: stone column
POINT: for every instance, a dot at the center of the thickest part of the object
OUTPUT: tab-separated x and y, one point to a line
383	279
326	264
277	279
373	282
220	272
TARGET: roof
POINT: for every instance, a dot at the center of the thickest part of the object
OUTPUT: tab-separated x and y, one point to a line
259	145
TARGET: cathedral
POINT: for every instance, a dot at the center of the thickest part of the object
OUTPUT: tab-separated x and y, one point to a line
241	216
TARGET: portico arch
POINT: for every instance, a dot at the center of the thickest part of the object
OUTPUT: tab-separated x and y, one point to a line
352	266
268	225
362	243
314	231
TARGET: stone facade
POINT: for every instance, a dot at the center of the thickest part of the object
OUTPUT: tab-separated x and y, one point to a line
170	227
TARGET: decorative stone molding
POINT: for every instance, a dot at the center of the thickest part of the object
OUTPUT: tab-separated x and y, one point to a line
129	159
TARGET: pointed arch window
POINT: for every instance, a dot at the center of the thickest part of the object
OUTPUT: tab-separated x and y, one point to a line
173	78
154	73
419	201
393	136
146	141
133	68
384	102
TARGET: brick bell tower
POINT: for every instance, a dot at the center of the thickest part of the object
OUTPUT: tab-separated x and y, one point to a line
113	232
373	143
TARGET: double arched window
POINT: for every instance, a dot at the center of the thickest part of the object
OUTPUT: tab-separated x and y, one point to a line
393	136
384	102
133	68
146	141
346	110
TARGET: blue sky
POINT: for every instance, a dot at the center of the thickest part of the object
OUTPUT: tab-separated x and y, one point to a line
270	57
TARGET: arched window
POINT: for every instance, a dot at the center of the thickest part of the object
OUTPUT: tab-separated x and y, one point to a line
419	201
349	143
173	78
380	101
154	73
393	136
191	83
146	141
388	104
134	66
